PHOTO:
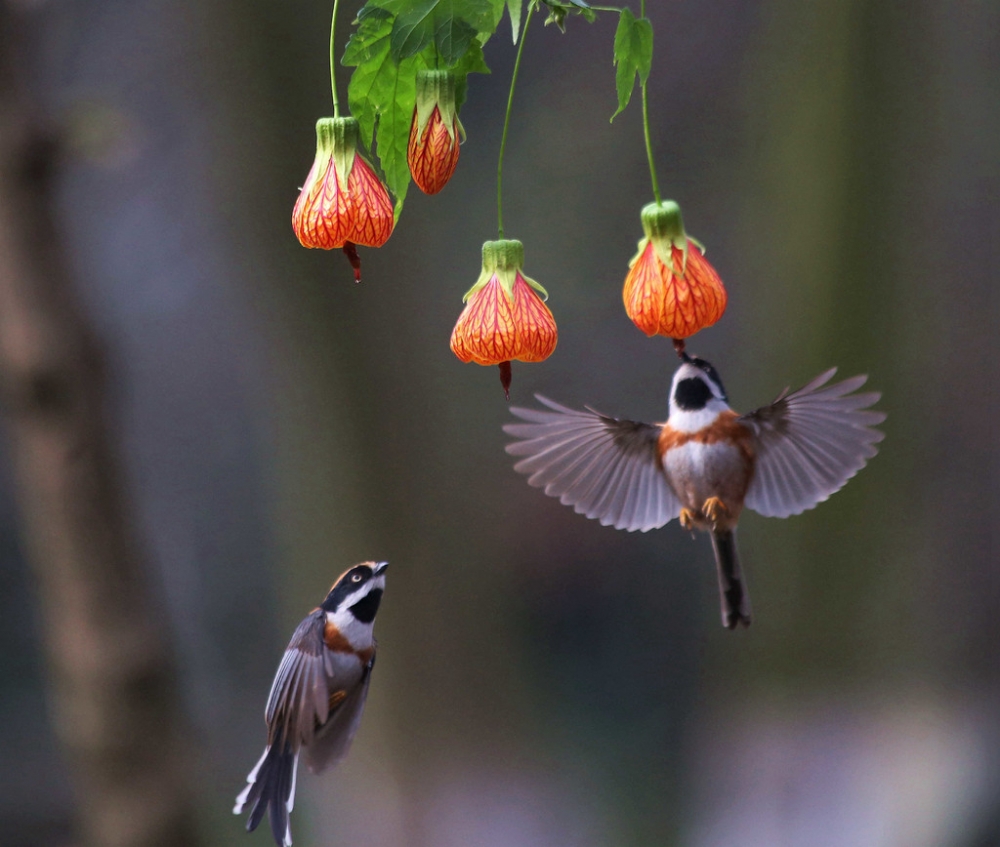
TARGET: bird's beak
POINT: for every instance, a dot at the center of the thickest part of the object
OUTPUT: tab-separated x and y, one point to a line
380	568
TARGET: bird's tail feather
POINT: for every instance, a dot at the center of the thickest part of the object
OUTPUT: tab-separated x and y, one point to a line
271	788
733	594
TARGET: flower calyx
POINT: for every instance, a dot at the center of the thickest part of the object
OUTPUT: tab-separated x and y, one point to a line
436	89
337	138
664	228
504	260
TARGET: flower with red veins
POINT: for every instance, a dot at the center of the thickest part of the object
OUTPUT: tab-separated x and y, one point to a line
342	202
505	315
435	133
671	289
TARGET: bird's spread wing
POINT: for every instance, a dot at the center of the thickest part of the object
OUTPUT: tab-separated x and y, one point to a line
300	697
603	467
809	443
334	739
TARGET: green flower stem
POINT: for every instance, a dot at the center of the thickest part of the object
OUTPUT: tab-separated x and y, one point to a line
645	126
506	120
333	60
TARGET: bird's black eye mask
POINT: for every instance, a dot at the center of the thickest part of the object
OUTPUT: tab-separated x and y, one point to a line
709	369
348	583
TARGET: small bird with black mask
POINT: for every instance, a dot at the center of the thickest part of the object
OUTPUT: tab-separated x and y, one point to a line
705	463
317	696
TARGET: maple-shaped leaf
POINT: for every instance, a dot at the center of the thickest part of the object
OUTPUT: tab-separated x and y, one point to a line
472	62
382	92
633	55
450	25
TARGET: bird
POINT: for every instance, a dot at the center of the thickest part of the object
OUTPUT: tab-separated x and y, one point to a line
317	696
706	463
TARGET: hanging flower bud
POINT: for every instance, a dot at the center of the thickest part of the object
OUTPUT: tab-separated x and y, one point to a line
342	201
434	134
671	289
505	316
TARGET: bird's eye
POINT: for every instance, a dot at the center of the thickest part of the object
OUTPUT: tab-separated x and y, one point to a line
356	578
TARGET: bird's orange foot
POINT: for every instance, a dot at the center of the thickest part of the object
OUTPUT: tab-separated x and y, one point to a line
713	509
686	518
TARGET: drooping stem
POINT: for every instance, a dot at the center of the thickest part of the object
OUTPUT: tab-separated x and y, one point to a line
645	126
506	120
333	60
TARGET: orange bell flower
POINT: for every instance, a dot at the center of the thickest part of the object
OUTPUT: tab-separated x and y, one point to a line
342	202
432	153
505	316
671	289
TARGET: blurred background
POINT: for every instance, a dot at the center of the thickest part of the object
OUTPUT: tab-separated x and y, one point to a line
542	680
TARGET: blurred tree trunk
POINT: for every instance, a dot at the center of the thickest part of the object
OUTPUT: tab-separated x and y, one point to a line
111	678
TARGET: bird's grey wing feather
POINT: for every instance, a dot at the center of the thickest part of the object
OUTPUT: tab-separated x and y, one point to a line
809	442
605	468
300	699
334	738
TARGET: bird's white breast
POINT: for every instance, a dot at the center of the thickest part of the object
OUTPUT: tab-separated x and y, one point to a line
344	668
697	471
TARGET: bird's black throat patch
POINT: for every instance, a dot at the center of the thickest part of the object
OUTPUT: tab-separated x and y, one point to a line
364	610
692	394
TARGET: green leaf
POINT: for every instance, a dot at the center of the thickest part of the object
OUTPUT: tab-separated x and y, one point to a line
372	10
633	55
382	90
394	121
472	62
450	25
382	93
514	7
368	52
452	38
413	29
498	7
